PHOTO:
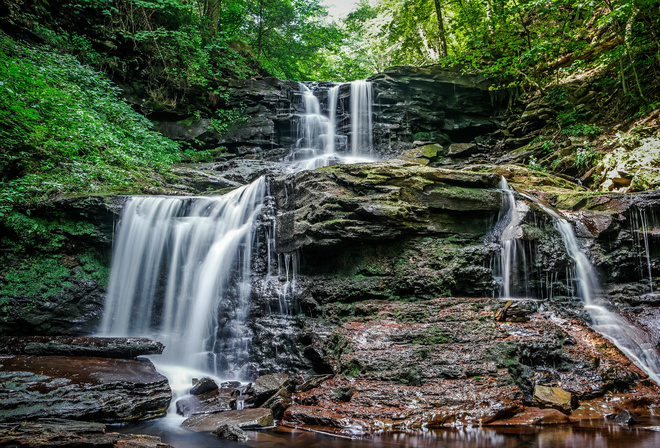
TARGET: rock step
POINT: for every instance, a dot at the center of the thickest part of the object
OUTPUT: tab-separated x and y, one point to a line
120	348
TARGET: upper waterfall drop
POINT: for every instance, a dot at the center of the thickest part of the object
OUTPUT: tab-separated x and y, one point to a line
362	126
321	139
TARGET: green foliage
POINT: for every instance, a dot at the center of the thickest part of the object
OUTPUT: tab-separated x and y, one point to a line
64	129
580	129
34	277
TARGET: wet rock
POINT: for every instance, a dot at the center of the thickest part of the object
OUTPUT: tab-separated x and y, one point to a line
626	418
279	403
267	385
312	383
203	181
203	386
462	149
122	348
245	418
230	432
536	416
553	397
82	388
379	201
215	401
68	433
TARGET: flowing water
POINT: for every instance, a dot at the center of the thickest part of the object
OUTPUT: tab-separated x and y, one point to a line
181	270
319	142
592	434
583	282
178	264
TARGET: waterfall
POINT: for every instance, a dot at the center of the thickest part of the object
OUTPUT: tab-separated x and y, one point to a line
510	235
178	264
333	96
362	141
640	231
319	142
632	341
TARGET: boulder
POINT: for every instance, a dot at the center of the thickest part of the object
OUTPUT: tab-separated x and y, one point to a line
81	388
245	418
210	402
279	403
553	397
267	385
122	348
230	432
203	386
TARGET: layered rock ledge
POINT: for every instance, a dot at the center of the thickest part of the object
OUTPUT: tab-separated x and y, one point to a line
81	387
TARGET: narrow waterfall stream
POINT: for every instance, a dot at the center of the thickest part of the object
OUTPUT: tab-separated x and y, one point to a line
632	341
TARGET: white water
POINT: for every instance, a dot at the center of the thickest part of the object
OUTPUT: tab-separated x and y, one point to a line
181	266
361	118
508	239
641	230
177	263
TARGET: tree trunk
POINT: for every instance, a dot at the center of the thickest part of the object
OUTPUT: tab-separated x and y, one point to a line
441	28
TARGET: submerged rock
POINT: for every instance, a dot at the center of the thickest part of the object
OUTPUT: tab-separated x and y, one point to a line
245	418
81	388
626	418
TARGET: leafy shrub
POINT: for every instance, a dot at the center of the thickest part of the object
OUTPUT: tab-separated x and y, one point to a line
64	129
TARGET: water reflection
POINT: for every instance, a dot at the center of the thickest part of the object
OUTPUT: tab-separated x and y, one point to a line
592	434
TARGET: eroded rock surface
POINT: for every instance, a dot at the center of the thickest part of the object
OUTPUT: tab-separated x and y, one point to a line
81	388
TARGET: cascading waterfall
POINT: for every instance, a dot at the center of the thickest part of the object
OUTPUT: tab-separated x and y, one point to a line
509	238
181	269
582	281
632	341
177	264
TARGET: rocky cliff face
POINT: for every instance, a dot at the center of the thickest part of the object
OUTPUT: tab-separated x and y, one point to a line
426	103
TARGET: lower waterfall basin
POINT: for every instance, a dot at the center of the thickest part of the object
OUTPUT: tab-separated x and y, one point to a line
592	433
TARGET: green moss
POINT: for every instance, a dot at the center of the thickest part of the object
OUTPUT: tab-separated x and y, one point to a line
433	336
34	277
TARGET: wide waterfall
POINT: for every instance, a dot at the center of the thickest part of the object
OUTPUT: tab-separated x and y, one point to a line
178	264
632	341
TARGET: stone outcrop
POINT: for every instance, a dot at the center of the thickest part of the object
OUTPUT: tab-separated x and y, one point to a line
448	362
81	388
122	348
410	103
